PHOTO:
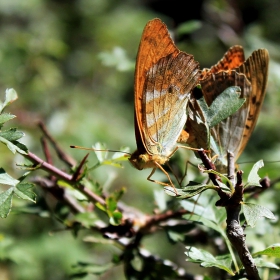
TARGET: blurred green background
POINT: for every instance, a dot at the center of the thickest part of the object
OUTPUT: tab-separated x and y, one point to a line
72	65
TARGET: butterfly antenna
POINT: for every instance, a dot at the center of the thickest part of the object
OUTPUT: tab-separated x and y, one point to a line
97	150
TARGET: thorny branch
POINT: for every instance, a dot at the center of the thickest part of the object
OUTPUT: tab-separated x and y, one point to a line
232	205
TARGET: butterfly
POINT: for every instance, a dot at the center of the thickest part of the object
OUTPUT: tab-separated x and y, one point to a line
232	134
164	78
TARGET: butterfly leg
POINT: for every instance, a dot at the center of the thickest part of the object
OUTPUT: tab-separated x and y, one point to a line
159	182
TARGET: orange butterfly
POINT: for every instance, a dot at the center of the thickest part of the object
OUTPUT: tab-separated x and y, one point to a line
164	78
233	133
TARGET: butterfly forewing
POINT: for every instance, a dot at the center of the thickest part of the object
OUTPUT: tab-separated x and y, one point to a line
155	44
255	68
166	94
233	58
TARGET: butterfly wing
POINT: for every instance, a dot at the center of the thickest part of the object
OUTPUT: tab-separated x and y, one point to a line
251	76
255	68
166	94
232	59
155	44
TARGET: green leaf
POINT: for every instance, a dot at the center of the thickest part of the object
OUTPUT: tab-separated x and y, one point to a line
123	155
112	163
259	262
116	218
101	155
101	206
224	105
254	178
4	117
82	269
111	204
11	96
23	190
199	210
12	134
160	199
6	202
272	251
87	219
253	212
205	221
208	260
6	179
190	190
14	147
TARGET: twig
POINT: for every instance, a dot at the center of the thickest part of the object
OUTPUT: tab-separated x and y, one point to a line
77	173
64	176
46	150
237	238
235	231
59	193
64	157
231	167
213	177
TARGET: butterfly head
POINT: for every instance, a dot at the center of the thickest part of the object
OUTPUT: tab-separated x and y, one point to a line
144	160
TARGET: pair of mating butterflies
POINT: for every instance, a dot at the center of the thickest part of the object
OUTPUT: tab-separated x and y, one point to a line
164	80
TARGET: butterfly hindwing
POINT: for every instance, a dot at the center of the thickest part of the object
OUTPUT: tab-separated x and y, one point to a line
166	94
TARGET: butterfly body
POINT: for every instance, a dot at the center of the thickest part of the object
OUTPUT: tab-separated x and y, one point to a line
164	78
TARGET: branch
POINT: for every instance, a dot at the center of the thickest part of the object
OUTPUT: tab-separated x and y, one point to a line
59	174
64	157
235	231
59	193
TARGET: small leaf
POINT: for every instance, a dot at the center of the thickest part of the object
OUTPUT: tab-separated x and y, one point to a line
224	105
6	179
253	212
208	260
82	269
12	134
23	190
101	206
116	218
199	210
11	96
272	251
101	155
121	156
259	262
160	199
192	189
203	220
254	178
111	204
87	219
4	117
112	163
14	147
6	202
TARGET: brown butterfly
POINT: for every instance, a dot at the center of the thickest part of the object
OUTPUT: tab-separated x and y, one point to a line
164	78
233	133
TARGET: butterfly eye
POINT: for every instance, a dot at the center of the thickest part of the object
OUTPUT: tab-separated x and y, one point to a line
197	92
171	89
